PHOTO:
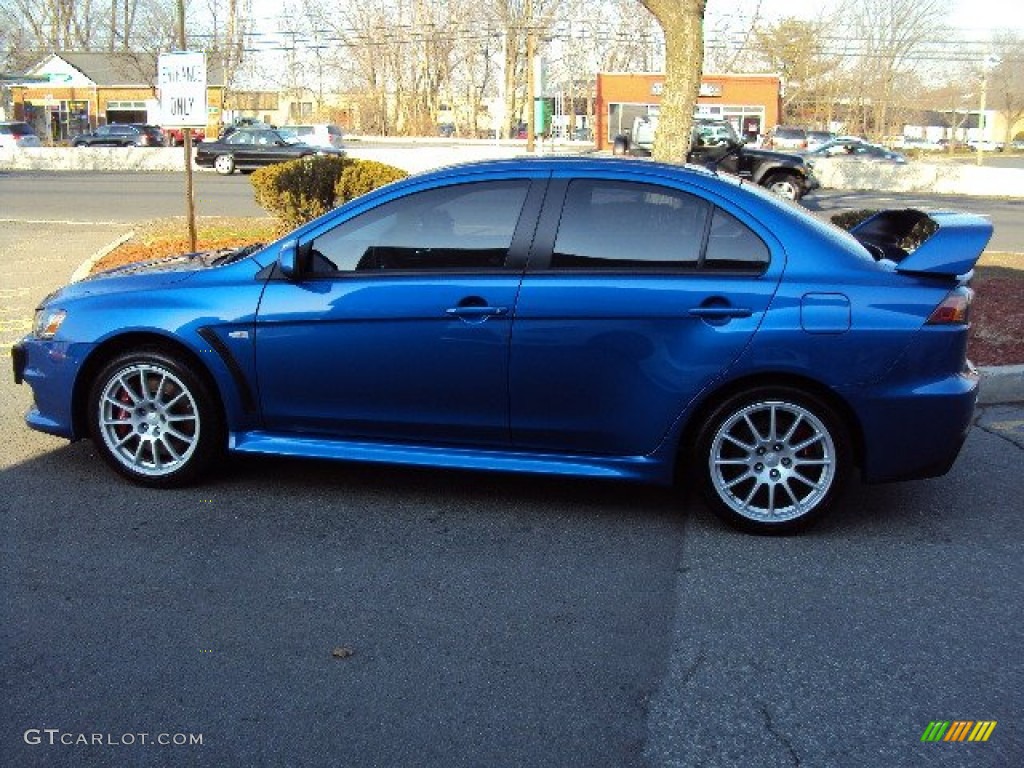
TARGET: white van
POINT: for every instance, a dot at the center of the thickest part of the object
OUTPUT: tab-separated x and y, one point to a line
317	135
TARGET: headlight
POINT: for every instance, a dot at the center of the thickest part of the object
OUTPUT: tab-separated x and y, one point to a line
48	322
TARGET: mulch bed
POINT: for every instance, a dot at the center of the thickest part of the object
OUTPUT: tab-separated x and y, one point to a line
997	317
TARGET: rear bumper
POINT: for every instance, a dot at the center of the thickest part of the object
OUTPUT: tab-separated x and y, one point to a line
917	432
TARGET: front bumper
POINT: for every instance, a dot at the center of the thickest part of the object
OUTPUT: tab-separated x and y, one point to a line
19	357
50	368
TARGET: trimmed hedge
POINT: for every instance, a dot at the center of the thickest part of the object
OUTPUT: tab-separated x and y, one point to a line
298	191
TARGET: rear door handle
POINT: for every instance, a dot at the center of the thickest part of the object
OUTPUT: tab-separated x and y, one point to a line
476	312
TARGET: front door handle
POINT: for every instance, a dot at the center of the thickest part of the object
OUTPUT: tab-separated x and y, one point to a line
719	312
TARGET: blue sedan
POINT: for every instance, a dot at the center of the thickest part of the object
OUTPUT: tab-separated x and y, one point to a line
587	317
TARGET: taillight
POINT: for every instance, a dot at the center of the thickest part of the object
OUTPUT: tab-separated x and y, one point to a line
954	309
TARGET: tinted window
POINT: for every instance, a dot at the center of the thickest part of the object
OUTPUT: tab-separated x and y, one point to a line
468	226
624	225
733	246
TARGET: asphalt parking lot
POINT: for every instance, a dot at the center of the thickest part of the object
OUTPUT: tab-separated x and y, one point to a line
323	614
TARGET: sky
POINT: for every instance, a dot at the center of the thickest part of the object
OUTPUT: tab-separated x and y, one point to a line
969	15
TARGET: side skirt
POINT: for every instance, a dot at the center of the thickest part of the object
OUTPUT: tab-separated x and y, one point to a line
648	469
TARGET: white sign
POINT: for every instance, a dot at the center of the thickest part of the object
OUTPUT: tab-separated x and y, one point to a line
181	78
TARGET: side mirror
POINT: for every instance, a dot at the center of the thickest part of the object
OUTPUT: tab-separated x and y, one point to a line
288	259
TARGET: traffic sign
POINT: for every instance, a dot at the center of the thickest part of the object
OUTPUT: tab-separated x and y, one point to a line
181	78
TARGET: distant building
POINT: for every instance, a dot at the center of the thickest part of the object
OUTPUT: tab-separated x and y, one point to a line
752	103
92	88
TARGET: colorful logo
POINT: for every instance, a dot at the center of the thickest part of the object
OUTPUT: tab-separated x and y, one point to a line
958	730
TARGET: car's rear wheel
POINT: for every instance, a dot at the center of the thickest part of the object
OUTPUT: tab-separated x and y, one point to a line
785	185
773	459
224	165
153	420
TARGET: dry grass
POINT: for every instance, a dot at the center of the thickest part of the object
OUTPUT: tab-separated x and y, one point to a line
168	237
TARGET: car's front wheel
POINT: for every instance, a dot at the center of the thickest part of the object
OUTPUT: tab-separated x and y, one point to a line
224	165
153	420
785	185
773	459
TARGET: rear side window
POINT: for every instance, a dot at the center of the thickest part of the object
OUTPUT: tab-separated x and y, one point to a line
628	226
733	246
625	225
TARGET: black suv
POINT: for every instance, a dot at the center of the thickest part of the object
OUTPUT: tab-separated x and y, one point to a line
121	135
715	144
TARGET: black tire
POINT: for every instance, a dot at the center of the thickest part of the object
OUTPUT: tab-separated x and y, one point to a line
153	420
620	146
786	185
224	164
773	459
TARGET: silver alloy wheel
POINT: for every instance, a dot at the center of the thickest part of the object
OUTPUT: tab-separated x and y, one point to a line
224	164
785	187
772	461
149	420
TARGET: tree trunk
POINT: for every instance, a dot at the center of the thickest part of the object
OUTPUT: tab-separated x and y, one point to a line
682	22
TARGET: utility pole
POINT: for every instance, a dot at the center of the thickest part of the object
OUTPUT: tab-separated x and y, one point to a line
531	84
190	200
989	63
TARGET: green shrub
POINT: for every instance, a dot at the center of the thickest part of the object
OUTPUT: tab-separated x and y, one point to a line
298	191
361	176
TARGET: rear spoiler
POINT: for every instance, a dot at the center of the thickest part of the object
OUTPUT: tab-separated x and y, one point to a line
945	243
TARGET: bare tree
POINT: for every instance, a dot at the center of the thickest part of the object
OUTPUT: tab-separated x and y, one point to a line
1006	81
887	37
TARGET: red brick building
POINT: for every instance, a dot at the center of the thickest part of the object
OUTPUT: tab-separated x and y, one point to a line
751	102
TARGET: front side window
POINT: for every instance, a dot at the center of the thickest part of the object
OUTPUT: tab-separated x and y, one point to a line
462	227
626	225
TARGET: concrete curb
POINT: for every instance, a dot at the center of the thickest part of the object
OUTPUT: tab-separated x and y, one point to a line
1001	384
83	269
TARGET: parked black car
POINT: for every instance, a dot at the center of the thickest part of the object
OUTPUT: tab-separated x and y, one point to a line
121	135
715	144
249	148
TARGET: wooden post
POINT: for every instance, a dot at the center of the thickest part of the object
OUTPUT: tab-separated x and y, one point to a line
190	200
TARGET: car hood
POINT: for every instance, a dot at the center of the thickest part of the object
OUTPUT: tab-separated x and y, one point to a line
784	158
155	273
